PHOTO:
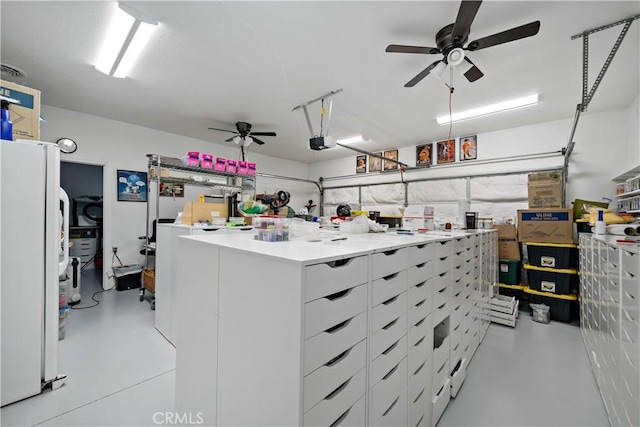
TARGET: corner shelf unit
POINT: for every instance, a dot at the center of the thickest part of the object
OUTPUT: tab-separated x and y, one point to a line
171	170
629	201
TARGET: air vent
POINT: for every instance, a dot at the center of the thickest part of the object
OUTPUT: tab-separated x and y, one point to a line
11	71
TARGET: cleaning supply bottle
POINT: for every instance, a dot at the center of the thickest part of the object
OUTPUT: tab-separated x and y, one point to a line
601	227
6	127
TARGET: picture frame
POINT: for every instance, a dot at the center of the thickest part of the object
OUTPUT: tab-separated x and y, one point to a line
389	165
446	151
171	190
469	147
132	186
361	164
423	155
375	163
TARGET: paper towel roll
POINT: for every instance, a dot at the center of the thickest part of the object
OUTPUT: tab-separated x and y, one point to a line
622	230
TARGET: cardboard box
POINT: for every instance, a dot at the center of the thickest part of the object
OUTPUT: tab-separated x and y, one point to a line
508	245
24	110
418	216
545	225
164	173
194	212
545	190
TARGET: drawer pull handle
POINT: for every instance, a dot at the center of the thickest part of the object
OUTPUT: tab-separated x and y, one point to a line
340	418
419	342
391	347
335	392
391	372
419	285
338	294
628	274
391	276
443	274
440	391
421	302
420	322
339	326
390	324
390	300
444	243
391	407
419	396
391	252
338	358
419	368
420	421
628	316
629	295
456	328
421	246
421	265
456	368
339	262
456	347
443	290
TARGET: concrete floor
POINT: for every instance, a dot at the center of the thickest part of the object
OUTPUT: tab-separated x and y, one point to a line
121	373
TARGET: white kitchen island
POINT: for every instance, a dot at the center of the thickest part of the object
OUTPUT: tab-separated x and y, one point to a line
376	329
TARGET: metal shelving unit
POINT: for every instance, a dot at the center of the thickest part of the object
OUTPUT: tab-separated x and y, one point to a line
171	170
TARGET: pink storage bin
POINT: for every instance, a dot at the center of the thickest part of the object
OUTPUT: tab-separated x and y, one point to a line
232	166
207	161
221	164
251	169
193	158
242	168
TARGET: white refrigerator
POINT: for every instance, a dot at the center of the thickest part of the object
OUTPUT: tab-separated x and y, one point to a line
34	214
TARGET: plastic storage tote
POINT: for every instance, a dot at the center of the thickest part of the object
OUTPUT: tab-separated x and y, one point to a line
553	255
62	321
511	290
563	307
556	281
509	271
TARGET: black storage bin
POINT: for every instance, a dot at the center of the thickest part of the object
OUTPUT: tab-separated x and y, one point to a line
128	277
555	281
553	255
510	290
563	308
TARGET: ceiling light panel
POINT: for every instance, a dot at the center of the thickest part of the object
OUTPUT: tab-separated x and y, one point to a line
489	109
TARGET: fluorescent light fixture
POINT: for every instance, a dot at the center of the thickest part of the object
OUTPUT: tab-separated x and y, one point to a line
438	69
128	34
352	140
489	109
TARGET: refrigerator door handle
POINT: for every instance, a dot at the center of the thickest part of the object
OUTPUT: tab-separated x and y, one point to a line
65	232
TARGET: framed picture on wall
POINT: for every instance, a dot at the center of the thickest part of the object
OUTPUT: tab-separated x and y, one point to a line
423	155
388	164
469	148
132	186
446	151
361	164
375	163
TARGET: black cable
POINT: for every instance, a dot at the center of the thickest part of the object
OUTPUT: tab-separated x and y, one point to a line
93	298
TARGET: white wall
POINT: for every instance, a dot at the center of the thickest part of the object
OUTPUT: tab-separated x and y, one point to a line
606	145
118	145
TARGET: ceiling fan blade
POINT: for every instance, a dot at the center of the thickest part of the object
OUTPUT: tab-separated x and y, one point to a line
229	139
517	33
424	73
399	48
466	15
256	140
223	130
473	73
263	134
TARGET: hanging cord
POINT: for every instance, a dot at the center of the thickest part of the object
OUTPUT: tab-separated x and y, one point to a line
93	297
321	115
450	87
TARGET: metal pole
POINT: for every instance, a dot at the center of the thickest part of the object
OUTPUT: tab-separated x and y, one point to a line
306	115
333	92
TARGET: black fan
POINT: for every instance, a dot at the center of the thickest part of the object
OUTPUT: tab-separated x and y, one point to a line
243	130
452	38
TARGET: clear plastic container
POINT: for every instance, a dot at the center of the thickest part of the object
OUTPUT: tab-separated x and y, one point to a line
271	228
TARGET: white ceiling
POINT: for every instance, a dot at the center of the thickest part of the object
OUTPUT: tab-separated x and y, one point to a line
215	63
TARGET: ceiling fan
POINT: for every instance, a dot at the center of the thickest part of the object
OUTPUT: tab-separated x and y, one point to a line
244	137
450	42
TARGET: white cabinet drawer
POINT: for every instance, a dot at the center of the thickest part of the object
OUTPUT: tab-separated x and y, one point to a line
457	312
388	310
328	344
419	311
321	382
420	379
630	262
459	244
331	277
420	409
440	374
443	248
328	311
388	262
396	414
457	349
630	288
388	359
459	272
441	353
440	312
418	330
389	286
421	291
440	401
457	332
387	390
421	253
420	351
390	333
442	265
458	375
353	417
419	273
333	406
442	280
